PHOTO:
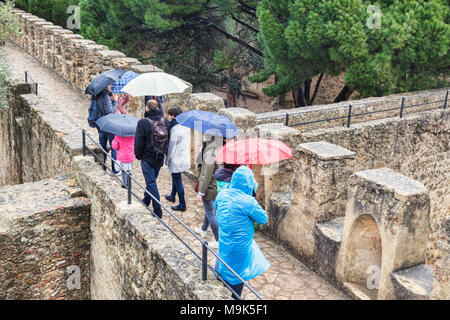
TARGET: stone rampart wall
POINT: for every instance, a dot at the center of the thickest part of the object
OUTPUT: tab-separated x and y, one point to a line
44	241
38	140
377	108
417	146
306	197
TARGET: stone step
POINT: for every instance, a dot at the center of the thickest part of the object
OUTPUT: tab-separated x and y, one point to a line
328	237
414	283
360	291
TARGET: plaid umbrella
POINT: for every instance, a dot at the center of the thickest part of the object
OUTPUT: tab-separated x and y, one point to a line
123	81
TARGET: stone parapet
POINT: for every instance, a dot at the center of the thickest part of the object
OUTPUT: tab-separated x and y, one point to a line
363	110
79	61
244	119
44	241
205	101
386	230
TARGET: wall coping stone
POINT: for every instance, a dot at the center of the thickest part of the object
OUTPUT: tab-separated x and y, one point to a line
145	68
111	54
326	151
391	180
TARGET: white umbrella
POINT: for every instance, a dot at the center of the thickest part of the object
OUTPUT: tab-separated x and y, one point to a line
155	84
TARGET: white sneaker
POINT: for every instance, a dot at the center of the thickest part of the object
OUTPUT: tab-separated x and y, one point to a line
214	244
199	230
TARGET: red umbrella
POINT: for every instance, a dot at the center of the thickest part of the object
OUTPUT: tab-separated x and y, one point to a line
254	151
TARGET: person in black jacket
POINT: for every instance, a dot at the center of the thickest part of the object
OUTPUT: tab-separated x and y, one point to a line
151	161
107	103
159	99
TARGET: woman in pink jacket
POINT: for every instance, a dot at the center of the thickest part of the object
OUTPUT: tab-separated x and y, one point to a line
125	155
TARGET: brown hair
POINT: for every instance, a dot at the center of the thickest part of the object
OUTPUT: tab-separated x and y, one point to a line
152	105
174	111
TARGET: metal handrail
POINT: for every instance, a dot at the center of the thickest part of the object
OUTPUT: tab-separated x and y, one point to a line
205	246
28	77
350	115
287	115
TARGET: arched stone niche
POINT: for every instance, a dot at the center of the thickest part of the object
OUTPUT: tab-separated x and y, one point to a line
364	256
386	229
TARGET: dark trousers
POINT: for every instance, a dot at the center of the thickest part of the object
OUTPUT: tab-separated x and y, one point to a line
104	138
237	288
150	175
177	188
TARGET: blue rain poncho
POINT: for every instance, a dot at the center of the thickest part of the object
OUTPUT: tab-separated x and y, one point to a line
236	211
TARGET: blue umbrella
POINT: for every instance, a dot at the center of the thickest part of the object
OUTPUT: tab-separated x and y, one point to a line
123	81
103	80
122	125
208	123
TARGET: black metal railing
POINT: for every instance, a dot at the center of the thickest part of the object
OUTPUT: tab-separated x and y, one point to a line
350	107
33	84
204	244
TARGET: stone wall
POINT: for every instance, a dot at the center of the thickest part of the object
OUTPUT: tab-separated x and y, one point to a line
10	153
417	146
132	255
78	61
44	241
306	197
378	108
38	140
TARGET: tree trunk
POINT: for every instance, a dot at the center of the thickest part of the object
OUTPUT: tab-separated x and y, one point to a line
308	92
345	94
231	98
301	101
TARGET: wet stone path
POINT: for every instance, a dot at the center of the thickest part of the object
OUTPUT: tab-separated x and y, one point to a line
286	279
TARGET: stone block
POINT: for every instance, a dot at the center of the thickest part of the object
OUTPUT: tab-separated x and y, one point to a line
145	68
414	283
205	102
386	230
327	240
244	119
43	230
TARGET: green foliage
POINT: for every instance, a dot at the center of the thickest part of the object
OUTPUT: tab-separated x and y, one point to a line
305	38
9	26
166	33
51	10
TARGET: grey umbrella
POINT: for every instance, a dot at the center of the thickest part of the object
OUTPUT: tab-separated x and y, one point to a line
122	125
103	80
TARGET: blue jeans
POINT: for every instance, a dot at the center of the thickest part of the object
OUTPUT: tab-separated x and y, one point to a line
177	187
150	175
210	218
104	138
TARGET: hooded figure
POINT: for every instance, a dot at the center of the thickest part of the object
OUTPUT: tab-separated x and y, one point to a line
236	211
223	175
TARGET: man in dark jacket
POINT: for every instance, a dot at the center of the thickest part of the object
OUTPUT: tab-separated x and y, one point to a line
107	103
151	161
159	99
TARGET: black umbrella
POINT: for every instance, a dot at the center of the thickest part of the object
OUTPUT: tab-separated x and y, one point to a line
122	125
103	80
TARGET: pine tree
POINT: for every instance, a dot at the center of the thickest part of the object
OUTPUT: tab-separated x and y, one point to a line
304	38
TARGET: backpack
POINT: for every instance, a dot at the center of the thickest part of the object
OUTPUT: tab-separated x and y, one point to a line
94	112
159	140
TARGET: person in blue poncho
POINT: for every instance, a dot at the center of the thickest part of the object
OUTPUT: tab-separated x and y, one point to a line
236	211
